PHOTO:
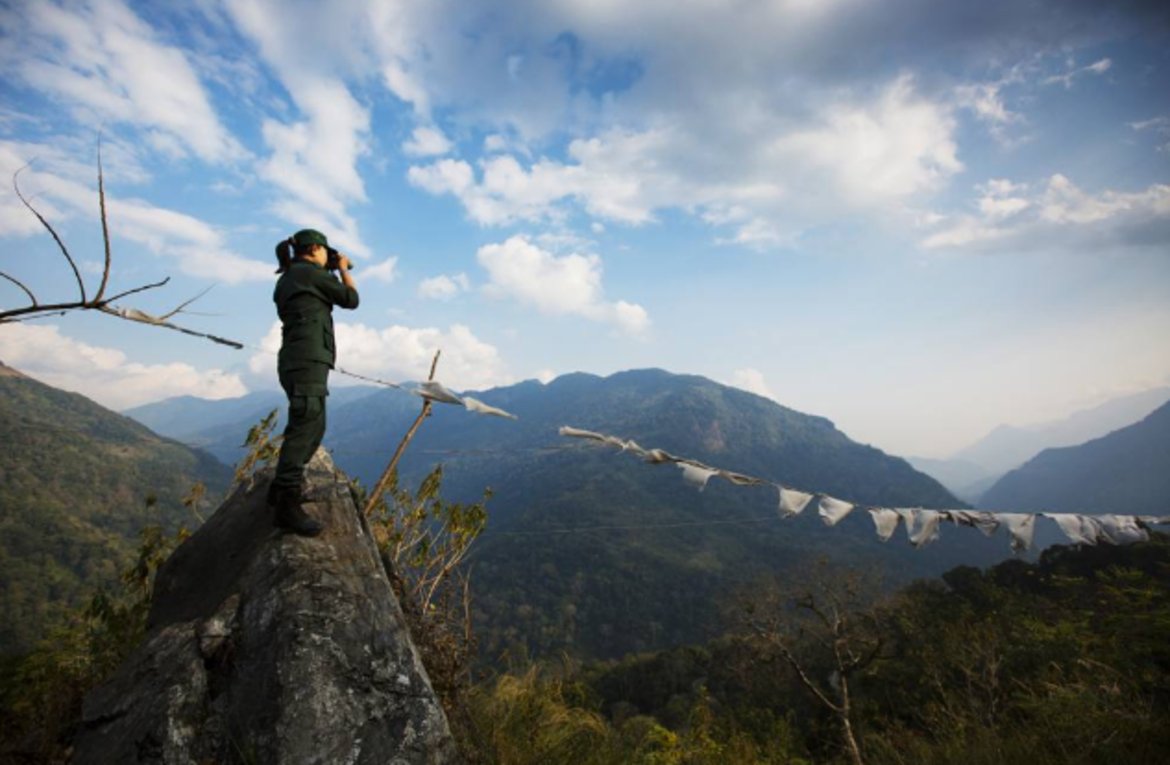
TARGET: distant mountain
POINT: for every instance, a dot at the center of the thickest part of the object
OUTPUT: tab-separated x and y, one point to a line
973	470
1127	471
74	484
590	551
1008	447
188	418
220	426
963	478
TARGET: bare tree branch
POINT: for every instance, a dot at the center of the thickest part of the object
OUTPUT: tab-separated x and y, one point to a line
30	318
184	304
31	296
51	230
105	226
805	680
99	302
143	288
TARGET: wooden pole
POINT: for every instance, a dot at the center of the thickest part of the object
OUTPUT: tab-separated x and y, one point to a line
384	481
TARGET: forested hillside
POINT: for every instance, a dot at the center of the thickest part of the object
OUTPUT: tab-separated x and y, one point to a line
1061	661
593	552
77	484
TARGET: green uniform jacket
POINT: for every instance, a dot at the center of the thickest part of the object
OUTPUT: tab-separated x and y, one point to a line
305	295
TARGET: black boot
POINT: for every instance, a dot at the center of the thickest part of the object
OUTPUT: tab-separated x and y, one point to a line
290	516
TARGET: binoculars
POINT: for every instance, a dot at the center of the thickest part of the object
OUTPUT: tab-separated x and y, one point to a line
333	260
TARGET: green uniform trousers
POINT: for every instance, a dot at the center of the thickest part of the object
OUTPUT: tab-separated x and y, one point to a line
306	389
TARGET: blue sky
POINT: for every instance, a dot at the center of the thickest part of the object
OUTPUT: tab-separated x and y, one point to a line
919	219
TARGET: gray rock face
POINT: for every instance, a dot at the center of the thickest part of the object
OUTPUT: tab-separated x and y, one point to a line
265	647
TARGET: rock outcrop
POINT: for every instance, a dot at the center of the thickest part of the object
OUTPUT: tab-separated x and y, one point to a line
265	647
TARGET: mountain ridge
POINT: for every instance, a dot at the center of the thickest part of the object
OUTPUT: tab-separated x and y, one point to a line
590	546
972	470
1126	471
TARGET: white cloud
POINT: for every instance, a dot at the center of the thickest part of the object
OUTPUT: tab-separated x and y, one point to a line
1063	202
1160	126
1100	67
106	375
899	146
386	271
865	153
398	353
443	287
313	160
1041	217
445	176
986	101
197	248
427	142
555	284
108	65
1066	79
545	376
752	380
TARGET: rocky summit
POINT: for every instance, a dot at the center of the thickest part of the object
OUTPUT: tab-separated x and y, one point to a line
265	647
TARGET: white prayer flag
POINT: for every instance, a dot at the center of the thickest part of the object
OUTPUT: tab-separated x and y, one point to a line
832	510
479	407
739	479
1080	529
436	391
1121	529
658	456
571	432
909	520
885	521
696	475
1021	526
927	522
980	519
792	502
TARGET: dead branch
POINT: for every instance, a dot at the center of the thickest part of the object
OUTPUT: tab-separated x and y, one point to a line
99	302
143	288
105	227
17	282
60	245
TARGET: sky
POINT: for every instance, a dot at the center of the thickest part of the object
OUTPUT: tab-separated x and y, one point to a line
918	218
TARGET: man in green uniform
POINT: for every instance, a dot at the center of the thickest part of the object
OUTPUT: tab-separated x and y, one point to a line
305	295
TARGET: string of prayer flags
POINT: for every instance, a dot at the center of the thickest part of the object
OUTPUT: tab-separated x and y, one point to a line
923	526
